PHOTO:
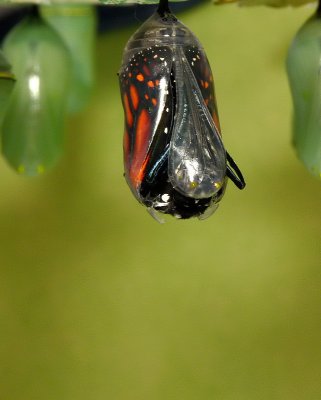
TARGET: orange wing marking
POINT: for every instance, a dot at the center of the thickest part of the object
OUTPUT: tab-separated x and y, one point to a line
134	96
128	113
140	158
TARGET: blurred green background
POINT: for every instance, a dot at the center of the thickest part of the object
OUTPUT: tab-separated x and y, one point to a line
98	301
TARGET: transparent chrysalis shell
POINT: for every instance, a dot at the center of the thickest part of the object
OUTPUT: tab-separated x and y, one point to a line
7	81
32	133
76	25
304	72
175	161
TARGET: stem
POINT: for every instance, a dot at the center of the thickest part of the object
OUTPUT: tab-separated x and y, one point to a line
163	7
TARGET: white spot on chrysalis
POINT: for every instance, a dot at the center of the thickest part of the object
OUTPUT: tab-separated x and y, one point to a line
165	197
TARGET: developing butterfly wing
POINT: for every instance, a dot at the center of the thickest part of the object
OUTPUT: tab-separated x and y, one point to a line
201	69
197	158
145	88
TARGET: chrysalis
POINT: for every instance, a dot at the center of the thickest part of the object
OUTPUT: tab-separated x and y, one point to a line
175	160
32	134
76	25
304	72
7	81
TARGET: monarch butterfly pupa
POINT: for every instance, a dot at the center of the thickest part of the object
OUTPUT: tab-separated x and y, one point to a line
7	81
303	67
76	24
32	133
174	157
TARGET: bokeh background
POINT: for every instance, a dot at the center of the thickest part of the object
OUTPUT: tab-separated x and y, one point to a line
99	301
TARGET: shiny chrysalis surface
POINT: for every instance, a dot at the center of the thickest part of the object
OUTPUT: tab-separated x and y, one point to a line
175	160
7	81
76	25
32	133
304	66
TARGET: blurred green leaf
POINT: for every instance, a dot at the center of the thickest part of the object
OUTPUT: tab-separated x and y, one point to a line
271	3
110	2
